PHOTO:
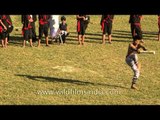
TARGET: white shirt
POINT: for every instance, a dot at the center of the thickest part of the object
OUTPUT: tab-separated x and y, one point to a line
54	21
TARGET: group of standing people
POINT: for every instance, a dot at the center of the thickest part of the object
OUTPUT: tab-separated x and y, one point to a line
52	22
106	26
46	22
106	23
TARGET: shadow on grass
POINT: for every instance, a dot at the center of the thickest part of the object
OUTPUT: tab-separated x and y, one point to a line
147	35
123	32
127	41
15	39
98	36
150	33
77	82
53	79
18	40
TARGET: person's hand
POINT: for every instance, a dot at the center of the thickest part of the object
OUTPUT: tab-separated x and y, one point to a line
138	51
84	18
5	28
30	20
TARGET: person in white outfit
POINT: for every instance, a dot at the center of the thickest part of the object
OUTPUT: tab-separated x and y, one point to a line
53	25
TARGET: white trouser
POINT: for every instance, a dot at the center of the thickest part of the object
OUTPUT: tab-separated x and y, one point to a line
132	61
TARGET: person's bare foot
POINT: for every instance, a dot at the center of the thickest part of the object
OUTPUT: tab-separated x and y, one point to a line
133	86
110	42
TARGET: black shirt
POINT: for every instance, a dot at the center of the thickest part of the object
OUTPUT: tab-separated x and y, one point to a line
63	26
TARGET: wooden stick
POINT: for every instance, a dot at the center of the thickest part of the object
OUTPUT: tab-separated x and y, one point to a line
148	52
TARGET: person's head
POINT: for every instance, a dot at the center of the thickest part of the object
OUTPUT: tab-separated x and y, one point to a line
136	39
63	19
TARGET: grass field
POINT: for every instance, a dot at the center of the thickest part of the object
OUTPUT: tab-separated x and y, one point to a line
93	74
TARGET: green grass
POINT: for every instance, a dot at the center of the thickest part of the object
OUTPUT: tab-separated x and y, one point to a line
93	74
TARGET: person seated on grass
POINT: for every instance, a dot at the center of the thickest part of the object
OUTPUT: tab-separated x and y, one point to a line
63	30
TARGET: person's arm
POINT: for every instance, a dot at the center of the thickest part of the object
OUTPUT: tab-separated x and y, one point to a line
79	17
59	29
112	17
66	28
142	46
3	25
102	17
140	16
133	47
31	19
68	31
9	18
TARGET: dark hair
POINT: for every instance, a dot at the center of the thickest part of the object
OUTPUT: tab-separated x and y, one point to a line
63	18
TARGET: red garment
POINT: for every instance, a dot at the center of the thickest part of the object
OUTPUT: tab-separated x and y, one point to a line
107	19
1	29
43	20
159	21
137	24
78	26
